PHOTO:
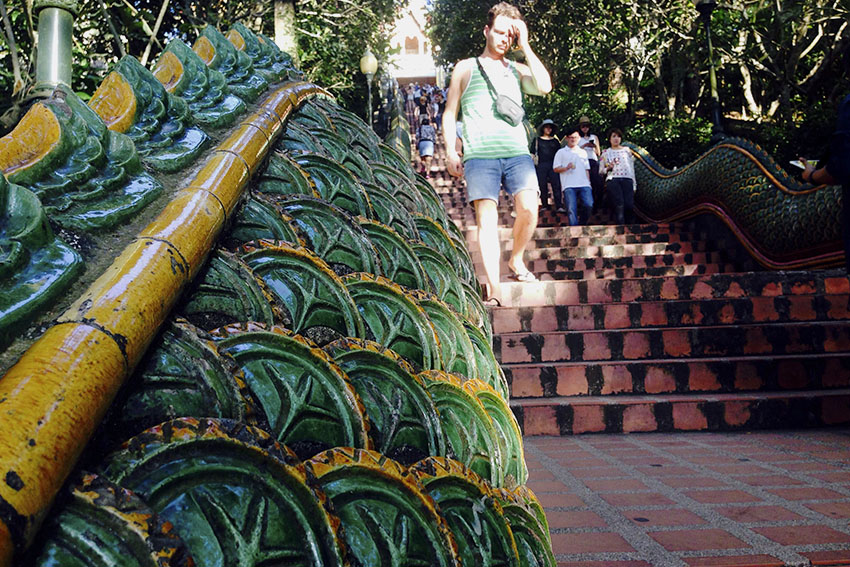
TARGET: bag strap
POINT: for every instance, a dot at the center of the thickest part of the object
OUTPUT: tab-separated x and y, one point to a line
493	92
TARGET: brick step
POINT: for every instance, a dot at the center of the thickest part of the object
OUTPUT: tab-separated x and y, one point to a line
460	208
466	215
712	412
744	310
612	251
595	230
466	221
633	273
621	273
575	275
594	241
653	261
638	272
719	375
674	342
714	286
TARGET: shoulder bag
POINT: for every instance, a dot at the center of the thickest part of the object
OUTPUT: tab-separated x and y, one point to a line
507	109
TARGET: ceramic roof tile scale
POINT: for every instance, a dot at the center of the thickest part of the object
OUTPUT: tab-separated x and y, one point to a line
183	73
222	400
131	100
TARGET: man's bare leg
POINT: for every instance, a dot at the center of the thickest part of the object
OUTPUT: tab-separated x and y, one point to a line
487	219
525	203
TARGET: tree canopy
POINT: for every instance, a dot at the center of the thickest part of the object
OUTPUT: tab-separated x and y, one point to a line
331	37
643	64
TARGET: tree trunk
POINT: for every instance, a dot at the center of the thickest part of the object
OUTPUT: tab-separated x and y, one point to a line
284	28
753	107
666	100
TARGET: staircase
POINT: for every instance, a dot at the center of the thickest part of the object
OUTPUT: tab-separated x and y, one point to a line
654	327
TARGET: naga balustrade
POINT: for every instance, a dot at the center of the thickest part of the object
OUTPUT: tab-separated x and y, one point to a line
782	223
289	361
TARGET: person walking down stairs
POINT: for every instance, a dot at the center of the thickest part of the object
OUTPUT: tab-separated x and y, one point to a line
543	149
495	143
618	165
426	136
572	165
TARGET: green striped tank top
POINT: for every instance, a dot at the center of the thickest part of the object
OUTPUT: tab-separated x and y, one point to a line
484	135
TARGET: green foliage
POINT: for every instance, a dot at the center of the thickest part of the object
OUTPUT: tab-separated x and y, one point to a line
18	18
629	63
809	137
565	105
333	34
673	142
457	28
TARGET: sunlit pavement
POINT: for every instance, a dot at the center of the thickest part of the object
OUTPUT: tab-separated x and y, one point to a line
763	498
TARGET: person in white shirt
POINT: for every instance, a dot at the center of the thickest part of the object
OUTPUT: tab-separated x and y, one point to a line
574	168
618	166
590	143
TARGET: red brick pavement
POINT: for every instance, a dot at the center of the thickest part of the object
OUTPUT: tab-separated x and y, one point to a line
702	499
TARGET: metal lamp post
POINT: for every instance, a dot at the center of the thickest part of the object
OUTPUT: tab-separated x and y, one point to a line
53	64
368	66
705	8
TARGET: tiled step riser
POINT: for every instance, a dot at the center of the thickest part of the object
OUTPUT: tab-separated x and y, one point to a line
684	377
601	274
654	261
717	286
596	231
783	309
600	242
544	219
611	251
567	241
676	343
683	414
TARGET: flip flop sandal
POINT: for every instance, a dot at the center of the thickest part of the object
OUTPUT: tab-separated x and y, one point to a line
492	302
525	277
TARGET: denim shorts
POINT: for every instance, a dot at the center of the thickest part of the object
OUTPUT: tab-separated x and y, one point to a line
486	177
426	148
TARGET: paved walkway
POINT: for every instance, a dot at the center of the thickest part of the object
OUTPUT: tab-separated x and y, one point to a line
661	499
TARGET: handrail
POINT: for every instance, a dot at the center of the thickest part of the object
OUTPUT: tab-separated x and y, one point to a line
780	222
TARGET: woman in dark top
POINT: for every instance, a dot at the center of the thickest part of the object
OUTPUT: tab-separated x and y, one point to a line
544	147
423	109
837	168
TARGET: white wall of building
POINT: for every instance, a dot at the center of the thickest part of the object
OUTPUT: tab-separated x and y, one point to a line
415	59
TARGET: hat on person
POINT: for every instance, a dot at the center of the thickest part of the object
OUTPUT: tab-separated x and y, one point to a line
585	119
547	122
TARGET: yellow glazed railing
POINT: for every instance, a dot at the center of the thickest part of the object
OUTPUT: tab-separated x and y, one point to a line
53	398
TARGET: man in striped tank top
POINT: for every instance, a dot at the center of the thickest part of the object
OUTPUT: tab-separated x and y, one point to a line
495	153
